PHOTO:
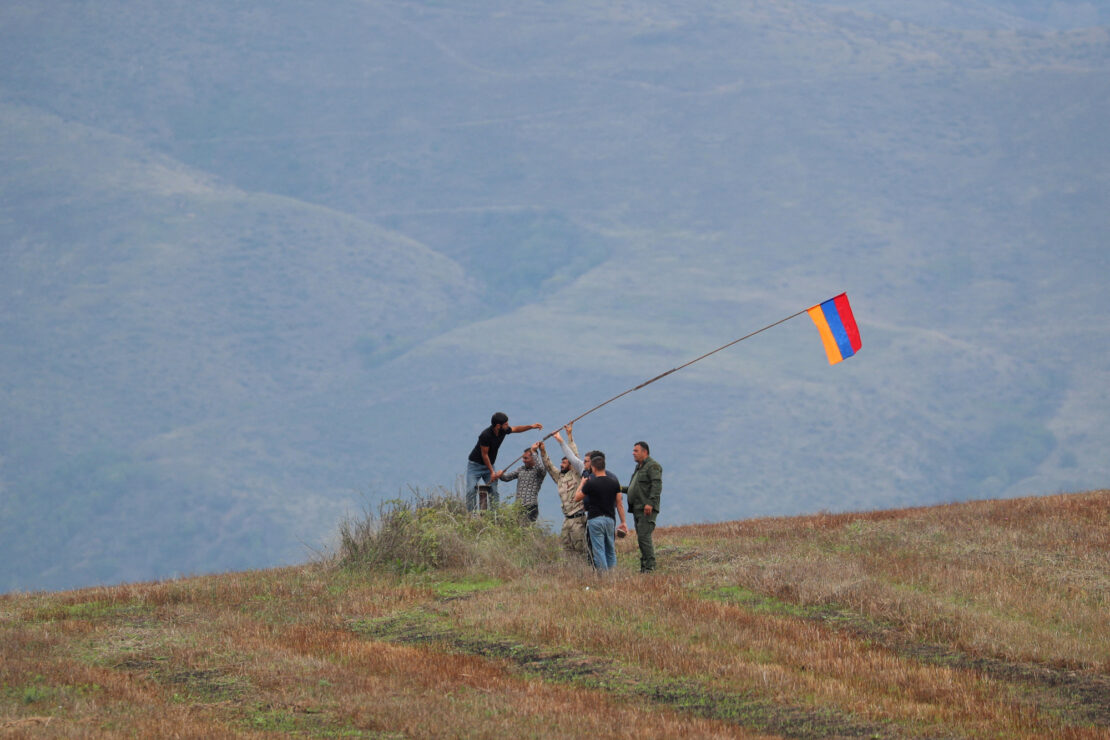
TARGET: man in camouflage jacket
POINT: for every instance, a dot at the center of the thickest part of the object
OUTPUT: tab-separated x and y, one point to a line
573	535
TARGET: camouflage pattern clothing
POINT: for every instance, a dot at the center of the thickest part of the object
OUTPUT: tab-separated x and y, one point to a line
573	535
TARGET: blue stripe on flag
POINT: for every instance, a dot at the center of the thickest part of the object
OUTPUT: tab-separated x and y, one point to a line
836	326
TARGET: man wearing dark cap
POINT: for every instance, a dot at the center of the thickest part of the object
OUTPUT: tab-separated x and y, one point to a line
482	458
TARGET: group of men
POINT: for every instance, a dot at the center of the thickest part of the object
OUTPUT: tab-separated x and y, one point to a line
591	495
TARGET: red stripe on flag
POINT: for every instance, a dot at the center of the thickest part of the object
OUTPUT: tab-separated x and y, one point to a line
849	320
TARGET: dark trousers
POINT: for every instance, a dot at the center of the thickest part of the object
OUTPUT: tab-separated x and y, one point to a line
645	526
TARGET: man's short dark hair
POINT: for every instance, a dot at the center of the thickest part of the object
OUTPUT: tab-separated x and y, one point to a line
499	418
645	446
597	460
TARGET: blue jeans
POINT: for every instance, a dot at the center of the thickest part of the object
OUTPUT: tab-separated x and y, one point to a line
602	532
478	472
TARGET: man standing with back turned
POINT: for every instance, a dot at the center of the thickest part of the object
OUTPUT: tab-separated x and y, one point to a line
484	455
601	497
643	501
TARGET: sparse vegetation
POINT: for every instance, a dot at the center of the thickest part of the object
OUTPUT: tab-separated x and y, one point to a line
985	619
435	530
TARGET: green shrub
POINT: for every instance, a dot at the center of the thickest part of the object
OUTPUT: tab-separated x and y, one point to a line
435	531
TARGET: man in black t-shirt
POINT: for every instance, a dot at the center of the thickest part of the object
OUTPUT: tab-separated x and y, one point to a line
480	463
600	495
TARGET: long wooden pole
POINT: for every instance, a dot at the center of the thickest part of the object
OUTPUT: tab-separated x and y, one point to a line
663	375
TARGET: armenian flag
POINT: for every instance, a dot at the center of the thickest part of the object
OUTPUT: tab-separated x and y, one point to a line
837	327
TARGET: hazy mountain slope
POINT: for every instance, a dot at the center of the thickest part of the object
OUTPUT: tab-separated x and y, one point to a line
958	197
767	426
160	330
262	259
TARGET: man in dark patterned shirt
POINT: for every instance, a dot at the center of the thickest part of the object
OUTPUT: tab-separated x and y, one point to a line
529	477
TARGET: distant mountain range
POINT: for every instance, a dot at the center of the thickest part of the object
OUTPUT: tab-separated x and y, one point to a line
266	264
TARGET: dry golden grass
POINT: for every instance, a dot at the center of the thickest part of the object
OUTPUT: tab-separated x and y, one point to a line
988	619
658	626
1022	580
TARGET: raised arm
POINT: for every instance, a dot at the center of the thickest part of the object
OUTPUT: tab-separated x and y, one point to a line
570	454
554	471
570	437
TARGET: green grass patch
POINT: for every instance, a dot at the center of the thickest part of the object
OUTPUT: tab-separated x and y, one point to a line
757	602
272	720
454	589
39	692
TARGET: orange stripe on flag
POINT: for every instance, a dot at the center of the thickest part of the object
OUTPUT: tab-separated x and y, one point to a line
827	338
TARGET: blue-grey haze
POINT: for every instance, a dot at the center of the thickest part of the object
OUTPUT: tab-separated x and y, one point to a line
267	263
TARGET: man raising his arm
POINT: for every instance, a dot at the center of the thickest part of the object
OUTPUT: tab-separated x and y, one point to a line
573	536
484	455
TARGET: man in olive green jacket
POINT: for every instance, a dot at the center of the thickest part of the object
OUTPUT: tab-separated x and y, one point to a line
643	501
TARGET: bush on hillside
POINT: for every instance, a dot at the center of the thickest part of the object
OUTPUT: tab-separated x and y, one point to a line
430	531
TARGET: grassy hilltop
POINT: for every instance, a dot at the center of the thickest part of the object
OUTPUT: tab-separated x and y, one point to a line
983	619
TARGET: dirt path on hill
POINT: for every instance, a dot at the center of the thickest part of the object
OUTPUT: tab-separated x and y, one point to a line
748	710
1079	696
